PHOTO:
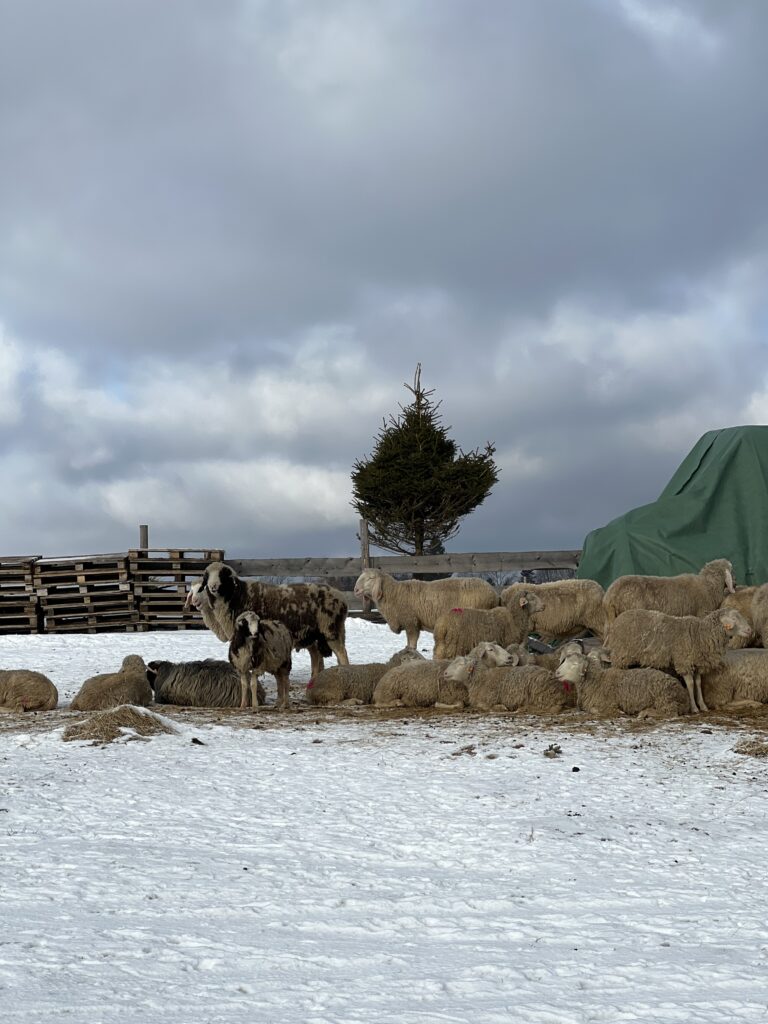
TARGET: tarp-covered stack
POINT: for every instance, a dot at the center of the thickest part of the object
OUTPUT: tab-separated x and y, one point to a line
715	506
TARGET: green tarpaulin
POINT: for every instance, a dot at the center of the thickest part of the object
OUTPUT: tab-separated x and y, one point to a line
715	506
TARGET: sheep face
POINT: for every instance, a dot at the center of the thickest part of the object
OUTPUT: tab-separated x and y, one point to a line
218	581
196	598
369	585
247	624
572	669
493	655
460	669
734	623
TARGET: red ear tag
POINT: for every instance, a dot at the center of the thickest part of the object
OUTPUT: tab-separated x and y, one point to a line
566	686
310	684
457	611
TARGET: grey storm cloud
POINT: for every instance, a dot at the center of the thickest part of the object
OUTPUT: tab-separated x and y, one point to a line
229	231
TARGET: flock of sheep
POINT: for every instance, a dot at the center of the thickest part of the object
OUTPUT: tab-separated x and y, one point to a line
646	646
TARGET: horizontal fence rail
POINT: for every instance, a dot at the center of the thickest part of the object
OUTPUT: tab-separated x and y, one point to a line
145	588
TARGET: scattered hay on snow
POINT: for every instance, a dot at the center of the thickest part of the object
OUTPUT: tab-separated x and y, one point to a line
127	722
752	748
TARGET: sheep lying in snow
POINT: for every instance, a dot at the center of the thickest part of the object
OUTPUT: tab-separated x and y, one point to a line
422	684
315	615
741	599
684	644
197	684
740	682
561	608
24	690
261	645
686	594
110	689
413	605
602	690
459	630
354	684
525	688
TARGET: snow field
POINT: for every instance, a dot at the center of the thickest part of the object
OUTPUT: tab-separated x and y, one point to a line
415	871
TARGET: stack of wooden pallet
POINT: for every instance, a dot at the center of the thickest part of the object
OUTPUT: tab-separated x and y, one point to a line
161	578
88	594
18	602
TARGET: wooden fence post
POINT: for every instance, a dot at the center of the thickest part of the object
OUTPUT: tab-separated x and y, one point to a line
365	562
143	537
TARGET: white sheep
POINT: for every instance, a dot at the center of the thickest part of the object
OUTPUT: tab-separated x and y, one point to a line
604	690
423	683
129	685
22	689
524	688
741	599
314	614
354	684
740	682
413	605
685	644
759	614
257	646
459	630
687	594
561	608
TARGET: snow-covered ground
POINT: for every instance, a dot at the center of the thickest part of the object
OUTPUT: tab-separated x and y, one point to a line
429	869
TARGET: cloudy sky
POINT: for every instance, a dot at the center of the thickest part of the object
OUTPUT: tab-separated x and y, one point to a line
230	229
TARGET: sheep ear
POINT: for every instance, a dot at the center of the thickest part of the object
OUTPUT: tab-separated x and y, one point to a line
515	657
376	590
523	601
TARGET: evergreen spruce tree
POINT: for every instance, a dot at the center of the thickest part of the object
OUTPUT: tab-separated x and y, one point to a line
418	484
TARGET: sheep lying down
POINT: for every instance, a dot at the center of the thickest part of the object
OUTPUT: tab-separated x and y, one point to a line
24	690
354	684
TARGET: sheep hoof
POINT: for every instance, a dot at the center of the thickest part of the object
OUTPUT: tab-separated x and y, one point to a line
352	702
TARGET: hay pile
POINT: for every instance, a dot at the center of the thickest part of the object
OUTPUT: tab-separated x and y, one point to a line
752	748
126	722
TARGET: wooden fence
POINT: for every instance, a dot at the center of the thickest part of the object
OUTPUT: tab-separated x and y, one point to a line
145	588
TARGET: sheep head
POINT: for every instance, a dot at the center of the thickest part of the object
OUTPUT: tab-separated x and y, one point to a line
734	623
369	584
133	663
720	569
572	669
247	624
218	580
531	601
494	655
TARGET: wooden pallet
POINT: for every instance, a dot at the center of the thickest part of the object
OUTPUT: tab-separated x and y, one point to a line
158	623
16	574
24	623
81	572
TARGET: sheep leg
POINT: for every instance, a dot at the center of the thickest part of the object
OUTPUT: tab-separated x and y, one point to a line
283	689
244	690
255	687
689	686
338	648
699	695
261	693
316	661
412	636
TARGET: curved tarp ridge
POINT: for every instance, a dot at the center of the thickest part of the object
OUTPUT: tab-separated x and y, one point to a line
715	506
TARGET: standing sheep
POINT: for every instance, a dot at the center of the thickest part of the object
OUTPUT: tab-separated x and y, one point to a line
354	684
413	605
685	644
740	682
602	690
759	611
561	608
22	689
197	684
261	645
129	685
687	594
315	615
459	630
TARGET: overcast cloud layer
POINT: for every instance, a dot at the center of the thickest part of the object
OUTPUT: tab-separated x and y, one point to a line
228	232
